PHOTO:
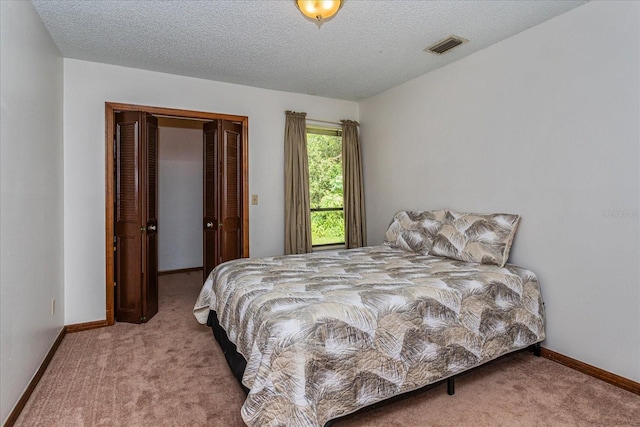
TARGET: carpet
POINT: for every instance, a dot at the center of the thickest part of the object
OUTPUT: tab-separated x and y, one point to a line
171	372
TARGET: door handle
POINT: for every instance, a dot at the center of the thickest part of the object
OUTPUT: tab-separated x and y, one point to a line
209	224
152	228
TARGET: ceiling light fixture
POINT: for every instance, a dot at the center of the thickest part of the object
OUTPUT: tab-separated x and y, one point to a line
319	11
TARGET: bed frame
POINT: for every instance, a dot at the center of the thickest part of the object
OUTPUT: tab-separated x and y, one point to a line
235	360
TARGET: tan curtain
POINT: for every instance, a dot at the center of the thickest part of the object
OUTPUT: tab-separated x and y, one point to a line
297	214
355	230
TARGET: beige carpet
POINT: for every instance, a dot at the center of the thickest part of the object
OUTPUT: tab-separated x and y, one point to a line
171	372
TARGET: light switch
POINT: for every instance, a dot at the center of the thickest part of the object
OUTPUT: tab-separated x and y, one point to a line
254	199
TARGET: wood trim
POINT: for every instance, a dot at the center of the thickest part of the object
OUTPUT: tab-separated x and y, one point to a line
109	213
69	329
15	413
245	188
601	374
173	112
78	327
179	270
110	108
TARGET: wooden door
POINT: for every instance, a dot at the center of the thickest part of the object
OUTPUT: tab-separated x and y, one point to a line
128	239
136	258
222	195
114	268
231	192
150	220
211	196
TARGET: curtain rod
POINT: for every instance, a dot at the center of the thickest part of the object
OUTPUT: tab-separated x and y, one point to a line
324	121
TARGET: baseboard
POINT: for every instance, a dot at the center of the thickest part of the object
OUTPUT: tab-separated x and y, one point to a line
15	413
179	270
601	374
77	327
69	329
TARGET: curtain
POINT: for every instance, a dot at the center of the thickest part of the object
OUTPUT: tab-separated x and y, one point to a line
297	217
355	230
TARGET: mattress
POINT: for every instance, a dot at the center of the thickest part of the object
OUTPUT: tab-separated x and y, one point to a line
328	333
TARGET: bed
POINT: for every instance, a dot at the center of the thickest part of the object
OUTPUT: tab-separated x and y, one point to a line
318	336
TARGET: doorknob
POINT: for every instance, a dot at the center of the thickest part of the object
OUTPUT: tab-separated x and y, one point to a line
209	224
152	228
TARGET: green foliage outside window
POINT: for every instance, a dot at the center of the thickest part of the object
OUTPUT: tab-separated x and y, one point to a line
325	188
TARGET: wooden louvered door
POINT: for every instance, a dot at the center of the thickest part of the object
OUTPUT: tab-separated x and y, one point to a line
150	221
136	258
222	198
231	192
211	197
128	239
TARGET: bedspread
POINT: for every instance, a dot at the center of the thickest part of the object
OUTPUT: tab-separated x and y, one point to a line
328	333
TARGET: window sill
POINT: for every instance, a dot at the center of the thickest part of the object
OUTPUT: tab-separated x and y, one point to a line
328	247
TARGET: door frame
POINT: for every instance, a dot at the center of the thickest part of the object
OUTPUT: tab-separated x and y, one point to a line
110	109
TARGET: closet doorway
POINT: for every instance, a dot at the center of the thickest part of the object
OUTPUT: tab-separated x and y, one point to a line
132	223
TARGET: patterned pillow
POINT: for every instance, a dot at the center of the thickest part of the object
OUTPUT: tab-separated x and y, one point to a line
414	230
476	238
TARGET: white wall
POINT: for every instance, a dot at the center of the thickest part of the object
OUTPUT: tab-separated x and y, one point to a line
31	197
179	194
544	124
88	85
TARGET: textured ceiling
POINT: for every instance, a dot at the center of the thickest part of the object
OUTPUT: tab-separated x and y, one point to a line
369	46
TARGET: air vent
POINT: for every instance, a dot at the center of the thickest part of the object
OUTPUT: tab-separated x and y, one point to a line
445	45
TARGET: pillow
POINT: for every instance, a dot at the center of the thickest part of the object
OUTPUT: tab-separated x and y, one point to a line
472	237
414	230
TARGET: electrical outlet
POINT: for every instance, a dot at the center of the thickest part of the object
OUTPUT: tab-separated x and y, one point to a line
53	306
254	199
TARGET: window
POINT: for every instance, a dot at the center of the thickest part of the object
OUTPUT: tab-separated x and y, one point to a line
324	151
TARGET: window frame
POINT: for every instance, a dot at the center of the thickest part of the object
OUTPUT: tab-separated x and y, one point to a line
328	131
